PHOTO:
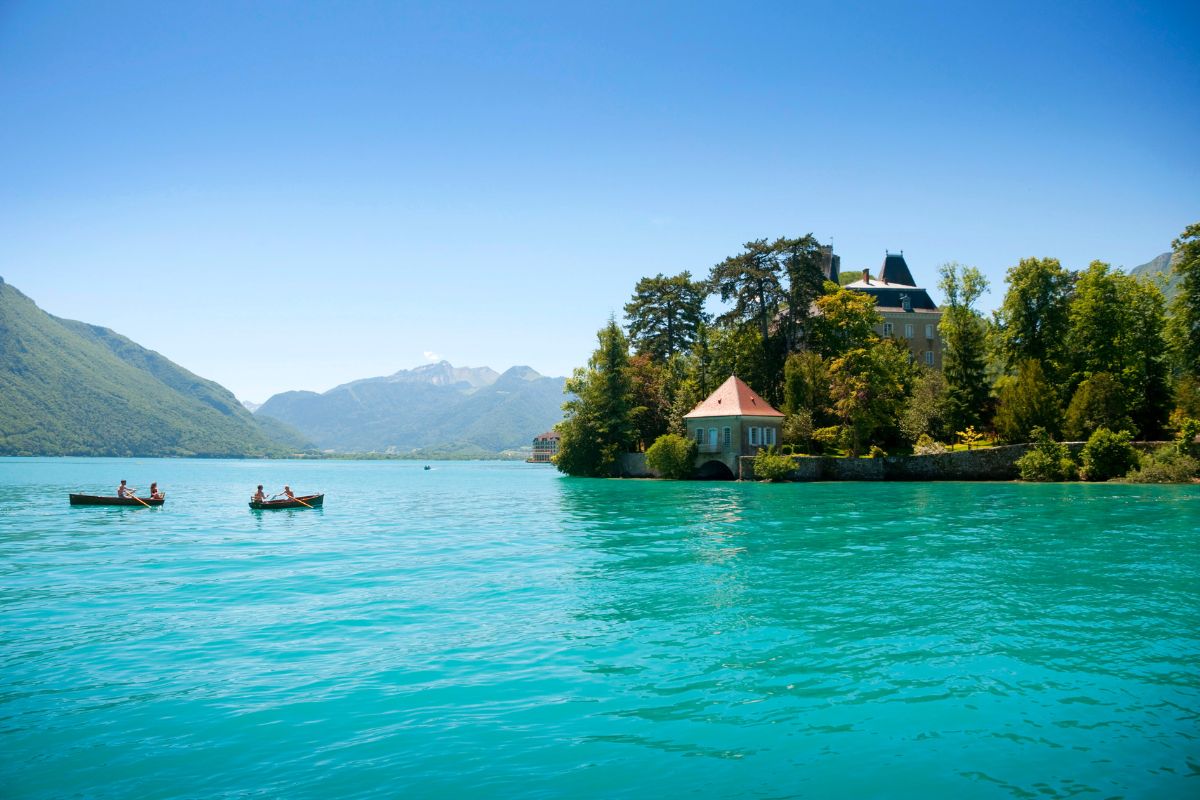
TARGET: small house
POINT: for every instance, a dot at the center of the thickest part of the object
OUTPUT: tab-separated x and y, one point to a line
734	421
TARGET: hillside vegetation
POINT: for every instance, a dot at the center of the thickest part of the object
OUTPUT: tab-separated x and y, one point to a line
69	388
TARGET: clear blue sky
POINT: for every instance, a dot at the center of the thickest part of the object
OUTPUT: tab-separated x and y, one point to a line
288	195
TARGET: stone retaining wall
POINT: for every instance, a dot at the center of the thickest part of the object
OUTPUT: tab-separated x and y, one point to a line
984	464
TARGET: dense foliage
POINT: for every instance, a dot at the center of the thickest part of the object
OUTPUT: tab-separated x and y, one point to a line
1047	460
599	424
1066	354
672	456
1107	455
772	467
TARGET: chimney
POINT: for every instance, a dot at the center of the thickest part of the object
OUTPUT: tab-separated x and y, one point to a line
867	276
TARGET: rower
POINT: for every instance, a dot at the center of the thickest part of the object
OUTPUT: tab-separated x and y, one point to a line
124	491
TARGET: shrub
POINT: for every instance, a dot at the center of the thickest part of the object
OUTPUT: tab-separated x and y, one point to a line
926	446
672	456
1185	442
827	438
1166	465
1107	455
770	466
1047	461
877	452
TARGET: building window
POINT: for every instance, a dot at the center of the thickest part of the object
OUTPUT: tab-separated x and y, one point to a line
753	436
699	435
908	330
712	436
887	329
728	436
929	357
928	331
768	436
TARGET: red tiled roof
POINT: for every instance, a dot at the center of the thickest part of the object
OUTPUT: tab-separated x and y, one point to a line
733	398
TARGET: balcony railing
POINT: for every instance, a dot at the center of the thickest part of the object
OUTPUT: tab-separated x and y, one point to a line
710	448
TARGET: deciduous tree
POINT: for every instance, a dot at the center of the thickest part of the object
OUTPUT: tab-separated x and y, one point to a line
1034	318
964	334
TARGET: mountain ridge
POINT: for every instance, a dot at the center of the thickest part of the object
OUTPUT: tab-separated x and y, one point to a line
431	408
72	388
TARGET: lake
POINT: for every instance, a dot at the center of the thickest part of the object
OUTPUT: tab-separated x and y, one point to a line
495	629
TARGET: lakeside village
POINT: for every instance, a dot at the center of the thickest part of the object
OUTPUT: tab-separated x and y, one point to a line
810	373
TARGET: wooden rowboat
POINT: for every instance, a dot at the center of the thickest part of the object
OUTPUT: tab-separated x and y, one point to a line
313	500
106	500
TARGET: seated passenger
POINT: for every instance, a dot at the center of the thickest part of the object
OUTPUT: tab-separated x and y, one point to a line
155	494
259	496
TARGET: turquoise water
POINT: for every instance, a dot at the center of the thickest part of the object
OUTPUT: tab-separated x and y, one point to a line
494	629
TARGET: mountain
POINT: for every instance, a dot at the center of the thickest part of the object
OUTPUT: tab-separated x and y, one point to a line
69	388
251	406
436	409
1160	265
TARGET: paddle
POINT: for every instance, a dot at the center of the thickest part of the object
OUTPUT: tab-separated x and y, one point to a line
140	500
301	502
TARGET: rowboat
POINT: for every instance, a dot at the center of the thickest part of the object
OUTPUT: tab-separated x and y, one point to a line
313	501
105	500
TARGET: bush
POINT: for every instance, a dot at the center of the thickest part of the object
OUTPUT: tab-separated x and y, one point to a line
1047	461
1107	455
770	466
926	446
827	439
877	452
672	456
1166	465
1185	442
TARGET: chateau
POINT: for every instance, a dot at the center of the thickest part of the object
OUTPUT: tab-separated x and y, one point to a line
909	313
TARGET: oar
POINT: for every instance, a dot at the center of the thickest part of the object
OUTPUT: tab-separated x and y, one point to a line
301	502
140	500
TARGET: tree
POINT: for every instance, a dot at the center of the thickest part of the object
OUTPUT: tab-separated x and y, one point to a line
1185	309
739	351
753	281
925	409
801	259
1117	327
1099	402
1026	401
964	334
650	391
805	383
1034	318
868	387
845	321
664	314
771	286
598	427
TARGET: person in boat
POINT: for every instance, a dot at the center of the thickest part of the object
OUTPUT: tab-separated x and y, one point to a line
124	491
155	494
259	496
287	492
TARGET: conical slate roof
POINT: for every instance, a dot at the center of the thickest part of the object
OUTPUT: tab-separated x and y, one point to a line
733	398
895	270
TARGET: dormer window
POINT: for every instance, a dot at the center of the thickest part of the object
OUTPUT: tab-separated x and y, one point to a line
905	302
